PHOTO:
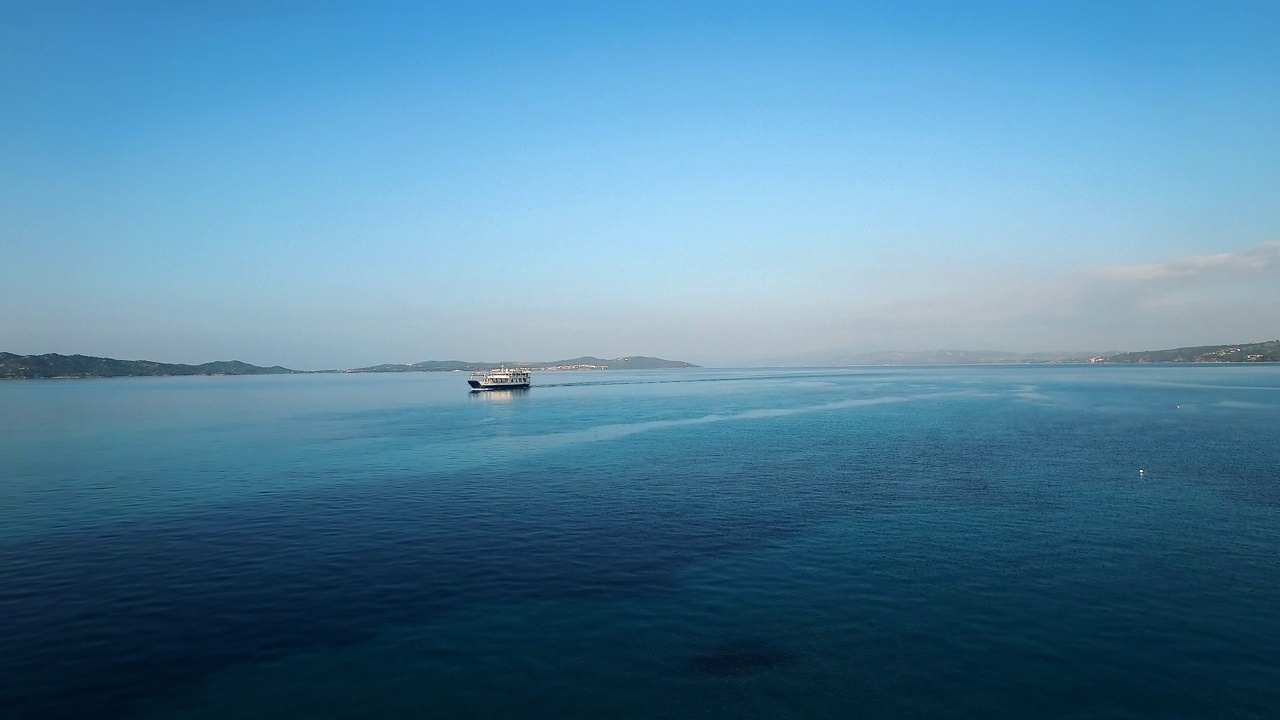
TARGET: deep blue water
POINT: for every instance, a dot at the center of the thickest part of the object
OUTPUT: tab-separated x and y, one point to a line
878	543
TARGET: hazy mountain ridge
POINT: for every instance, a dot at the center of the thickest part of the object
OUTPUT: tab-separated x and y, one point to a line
1238	352
53	365
586	362
957	357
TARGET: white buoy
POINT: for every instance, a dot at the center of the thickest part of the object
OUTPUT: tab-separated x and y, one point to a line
1142	472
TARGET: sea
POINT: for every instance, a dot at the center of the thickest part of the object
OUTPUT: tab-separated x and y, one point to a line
1035	541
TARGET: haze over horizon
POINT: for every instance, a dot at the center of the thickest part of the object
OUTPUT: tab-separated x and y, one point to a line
720	183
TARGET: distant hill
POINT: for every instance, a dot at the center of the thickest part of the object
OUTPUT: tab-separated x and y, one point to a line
586	362
635	362
954	357
1247	352
53	365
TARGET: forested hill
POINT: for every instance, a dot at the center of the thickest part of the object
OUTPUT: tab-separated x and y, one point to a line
53	365
1247	352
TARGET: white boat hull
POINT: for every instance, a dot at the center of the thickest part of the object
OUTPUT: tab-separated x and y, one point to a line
482	385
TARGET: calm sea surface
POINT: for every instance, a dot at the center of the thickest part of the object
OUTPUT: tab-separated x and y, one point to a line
1003	542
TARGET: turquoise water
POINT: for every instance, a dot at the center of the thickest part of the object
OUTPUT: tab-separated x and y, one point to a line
864	542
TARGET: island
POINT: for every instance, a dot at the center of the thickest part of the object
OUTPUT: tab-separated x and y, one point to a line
53	365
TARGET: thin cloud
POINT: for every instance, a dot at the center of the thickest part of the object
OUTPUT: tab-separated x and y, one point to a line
1178	301
1244	263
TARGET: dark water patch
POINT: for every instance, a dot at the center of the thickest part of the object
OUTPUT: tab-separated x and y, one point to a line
740	657
95	621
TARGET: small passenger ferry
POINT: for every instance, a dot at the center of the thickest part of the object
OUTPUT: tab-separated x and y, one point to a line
499	378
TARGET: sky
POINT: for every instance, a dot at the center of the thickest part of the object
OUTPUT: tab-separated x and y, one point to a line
328	185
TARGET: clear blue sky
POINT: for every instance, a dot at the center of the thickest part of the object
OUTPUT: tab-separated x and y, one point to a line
339	184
